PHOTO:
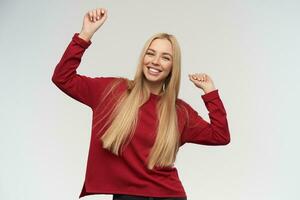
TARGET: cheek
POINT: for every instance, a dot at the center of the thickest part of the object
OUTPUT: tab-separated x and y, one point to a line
146	60
168	66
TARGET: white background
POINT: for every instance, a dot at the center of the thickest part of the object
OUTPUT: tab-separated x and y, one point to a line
250	49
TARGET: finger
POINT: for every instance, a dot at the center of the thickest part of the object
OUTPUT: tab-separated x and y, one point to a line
202	77
94	15
199	78
192	77
98	13
91	15
104	14
103	11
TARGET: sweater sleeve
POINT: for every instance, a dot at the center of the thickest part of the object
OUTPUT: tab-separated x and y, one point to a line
199	131
81	88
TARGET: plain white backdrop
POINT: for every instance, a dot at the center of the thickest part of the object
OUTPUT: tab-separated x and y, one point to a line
250	48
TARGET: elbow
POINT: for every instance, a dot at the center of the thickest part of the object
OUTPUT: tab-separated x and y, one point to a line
56	76
226	139
220	137
55	79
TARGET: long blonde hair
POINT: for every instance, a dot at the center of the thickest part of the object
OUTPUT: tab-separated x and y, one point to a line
122	121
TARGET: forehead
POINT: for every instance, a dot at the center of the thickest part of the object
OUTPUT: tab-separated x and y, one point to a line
161	45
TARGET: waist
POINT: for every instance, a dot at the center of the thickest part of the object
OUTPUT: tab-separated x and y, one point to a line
134	197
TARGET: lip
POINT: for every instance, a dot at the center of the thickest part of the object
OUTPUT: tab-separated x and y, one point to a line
154	68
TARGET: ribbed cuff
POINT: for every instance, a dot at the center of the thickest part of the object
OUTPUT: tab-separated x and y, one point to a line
81	41
211	95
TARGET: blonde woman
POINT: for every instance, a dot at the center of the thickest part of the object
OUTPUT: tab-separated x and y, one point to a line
138	125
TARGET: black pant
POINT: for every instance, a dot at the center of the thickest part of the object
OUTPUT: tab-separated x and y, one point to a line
133	197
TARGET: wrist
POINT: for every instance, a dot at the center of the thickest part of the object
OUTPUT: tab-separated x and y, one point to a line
85	36
209	90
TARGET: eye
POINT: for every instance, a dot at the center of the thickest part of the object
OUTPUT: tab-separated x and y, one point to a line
166	58
149	53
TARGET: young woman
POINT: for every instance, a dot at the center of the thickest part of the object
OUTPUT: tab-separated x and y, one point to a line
138	125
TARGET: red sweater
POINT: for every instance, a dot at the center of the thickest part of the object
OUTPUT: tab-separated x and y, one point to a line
110	174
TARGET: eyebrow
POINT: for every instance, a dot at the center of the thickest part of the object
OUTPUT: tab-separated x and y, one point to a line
162	53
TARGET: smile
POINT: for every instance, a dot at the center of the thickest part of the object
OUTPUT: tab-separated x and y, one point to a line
154	70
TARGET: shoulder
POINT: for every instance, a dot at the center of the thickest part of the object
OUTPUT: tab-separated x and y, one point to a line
183	108
180	103
110	78
108	81
110	86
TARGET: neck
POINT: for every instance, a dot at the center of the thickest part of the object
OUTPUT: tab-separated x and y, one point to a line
155	88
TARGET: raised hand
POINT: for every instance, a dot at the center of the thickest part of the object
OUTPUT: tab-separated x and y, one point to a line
92	21
202	81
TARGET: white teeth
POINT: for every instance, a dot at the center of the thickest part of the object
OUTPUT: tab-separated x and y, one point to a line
153	70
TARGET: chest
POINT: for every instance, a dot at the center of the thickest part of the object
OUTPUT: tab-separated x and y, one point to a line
147	124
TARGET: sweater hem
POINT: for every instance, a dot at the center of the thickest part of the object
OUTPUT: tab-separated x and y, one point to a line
84	44
211	95
109	191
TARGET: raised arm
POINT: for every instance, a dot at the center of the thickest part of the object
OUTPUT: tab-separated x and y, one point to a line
82	88
199	131
196	129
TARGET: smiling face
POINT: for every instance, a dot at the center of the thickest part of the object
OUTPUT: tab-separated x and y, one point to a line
157	63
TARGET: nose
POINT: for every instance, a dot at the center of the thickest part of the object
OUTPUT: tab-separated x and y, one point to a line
155	60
